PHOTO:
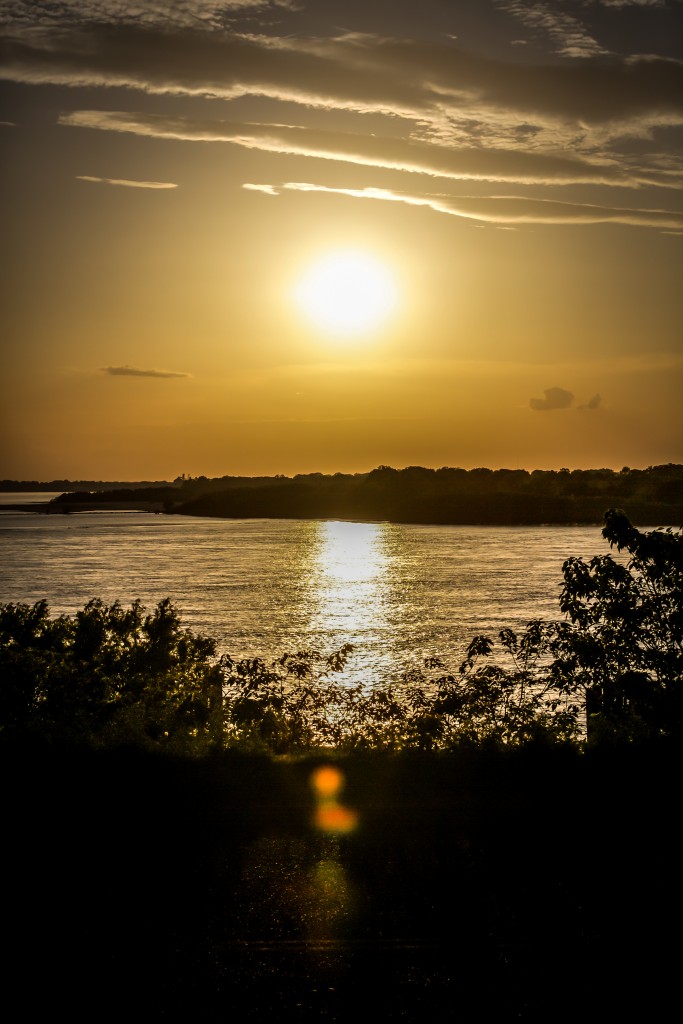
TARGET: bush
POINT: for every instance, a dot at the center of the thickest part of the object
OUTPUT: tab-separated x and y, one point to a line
611	670
616	661
108	675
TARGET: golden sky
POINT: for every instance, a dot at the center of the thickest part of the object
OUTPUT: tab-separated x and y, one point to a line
493	185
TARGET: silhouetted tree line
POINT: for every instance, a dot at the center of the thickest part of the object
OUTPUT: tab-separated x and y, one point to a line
611	671
78	485
420	495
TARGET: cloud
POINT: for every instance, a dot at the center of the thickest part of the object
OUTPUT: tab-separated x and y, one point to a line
132	371
592	403
631	3
580	118
555	398
269	190
127	183
351	71
7	124
570	37
497	209
202	14
368	150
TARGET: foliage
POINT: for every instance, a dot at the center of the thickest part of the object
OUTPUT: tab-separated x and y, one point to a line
292	704
612	670
108	675
617	659
626	648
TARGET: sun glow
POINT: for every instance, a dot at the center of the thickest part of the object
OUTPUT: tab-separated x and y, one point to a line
347	293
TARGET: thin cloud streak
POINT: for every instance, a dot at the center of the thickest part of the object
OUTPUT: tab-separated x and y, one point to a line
351	71
126	182
570	37
133	371
366	150
204	14
457	114
501	209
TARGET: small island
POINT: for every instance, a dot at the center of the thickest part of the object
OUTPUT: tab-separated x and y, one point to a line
415	494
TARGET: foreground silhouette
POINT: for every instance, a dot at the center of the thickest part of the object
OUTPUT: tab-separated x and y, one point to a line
611	670
460	859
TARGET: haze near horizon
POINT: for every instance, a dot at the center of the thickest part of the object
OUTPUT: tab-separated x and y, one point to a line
253	238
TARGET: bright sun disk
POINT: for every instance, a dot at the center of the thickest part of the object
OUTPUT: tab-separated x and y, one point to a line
347	293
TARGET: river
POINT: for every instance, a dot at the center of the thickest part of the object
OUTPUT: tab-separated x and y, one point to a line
398	593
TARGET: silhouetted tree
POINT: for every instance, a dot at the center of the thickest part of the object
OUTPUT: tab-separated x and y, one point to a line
626	646
618	656
109	675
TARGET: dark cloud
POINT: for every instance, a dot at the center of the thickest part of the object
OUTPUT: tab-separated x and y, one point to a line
350	71
133	371
592	403
584	114
555	398
202	14
126	182
568	34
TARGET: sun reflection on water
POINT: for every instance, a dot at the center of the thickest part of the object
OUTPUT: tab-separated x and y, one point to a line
351	554
350	579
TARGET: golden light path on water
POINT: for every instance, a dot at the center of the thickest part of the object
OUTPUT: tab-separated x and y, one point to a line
397	592
349	574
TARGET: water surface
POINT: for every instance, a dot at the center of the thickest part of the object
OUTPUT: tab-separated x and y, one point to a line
397	592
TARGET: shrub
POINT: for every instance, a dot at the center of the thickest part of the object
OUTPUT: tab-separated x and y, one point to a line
108	675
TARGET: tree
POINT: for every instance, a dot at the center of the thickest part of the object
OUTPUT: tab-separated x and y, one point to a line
625	648
109	675
616	660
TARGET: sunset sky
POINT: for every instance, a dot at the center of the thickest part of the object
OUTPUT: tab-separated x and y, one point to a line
495	185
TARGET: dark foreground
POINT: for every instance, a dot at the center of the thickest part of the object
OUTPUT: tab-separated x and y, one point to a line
536	886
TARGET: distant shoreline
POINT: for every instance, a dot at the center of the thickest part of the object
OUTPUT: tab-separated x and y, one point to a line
416	495
43	508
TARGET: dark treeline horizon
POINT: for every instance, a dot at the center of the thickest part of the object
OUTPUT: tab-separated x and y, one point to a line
187	481
652	496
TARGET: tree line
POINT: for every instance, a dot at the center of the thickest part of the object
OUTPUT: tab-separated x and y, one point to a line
609	671
419	495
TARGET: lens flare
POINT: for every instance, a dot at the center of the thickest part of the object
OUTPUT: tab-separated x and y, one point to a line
331	816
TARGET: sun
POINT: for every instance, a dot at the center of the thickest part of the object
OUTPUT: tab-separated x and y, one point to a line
347	293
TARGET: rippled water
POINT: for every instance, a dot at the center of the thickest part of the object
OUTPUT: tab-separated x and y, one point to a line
261	587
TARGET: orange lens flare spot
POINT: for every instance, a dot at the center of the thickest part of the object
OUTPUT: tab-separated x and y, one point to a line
332	817
327	781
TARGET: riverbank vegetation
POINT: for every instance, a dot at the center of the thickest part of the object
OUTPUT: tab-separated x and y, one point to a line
610	670
413	495
453	844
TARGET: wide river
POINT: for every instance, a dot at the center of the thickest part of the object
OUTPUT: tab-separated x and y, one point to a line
398	593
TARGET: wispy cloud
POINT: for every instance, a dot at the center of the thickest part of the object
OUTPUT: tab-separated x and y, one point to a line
582	116
126	182
196	14
360	72
368	150
133	371
555	398
631	3
269	190
569	36
497	209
